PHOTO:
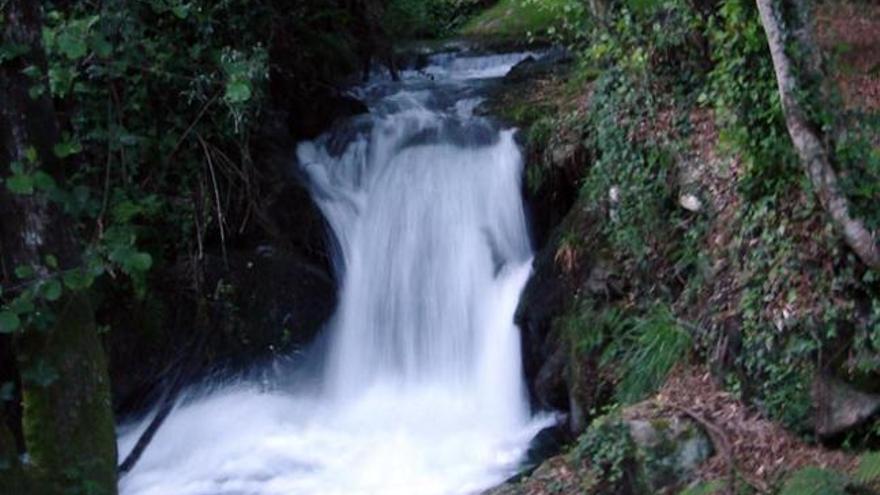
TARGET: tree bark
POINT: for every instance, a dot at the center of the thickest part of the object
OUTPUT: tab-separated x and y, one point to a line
806	137
68	424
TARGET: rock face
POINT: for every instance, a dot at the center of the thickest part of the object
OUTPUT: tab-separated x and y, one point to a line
547	295
264	303
554	61
839	406
266	294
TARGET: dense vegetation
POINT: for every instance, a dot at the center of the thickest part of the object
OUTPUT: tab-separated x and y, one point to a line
696	239
138	144
129	163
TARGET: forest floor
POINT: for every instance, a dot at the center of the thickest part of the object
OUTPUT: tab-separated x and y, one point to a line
852	33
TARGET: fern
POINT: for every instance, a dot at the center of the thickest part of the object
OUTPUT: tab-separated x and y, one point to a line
868	471
815	481
658	344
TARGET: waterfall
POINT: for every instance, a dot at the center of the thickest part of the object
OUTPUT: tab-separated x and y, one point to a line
422	386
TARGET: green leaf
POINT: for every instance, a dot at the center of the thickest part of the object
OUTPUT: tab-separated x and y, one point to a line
30	154
181	11
11	51
238	90
23	304
125	211
52	290
101	46
43	181
32	71
61	80
67	148
52	261
36	91
77	280
20	184
141	262
9	322
24	271
72	44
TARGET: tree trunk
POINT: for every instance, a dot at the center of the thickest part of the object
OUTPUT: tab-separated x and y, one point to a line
805	135
68	424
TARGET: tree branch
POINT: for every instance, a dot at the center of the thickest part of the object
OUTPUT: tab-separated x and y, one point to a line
813	154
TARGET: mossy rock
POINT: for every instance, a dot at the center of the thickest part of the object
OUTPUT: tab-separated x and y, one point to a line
647	455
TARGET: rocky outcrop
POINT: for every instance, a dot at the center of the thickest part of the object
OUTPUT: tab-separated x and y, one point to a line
262	303
839	407
641	450
549	294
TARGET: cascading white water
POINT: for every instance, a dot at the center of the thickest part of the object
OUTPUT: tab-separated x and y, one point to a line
423	390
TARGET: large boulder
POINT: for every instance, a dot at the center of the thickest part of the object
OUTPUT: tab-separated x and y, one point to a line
839	406
641	450
671	449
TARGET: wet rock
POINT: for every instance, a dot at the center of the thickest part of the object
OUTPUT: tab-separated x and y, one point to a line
555	60
548	295
840	406
547	443
549	383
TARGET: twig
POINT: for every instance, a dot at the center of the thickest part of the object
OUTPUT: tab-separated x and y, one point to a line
220	221
106	198
720	439
191	126
186	369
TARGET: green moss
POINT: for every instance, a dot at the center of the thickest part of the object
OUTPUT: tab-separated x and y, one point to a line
68	420
515	19
660	424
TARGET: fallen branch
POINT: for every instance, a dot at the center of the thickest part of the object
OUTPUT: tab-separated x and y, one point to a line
719	438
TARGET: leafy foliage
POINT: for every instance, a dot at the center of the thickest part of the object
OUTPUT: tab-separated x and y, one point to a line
413	19
608	447
742	90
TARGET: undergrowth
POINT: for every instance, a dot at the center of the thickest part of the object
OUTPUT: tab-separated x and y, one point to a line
803	303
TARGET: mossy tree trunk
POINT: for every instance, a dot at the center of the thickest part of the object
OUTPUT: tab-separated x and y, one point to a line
68	424
788	26
68	421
